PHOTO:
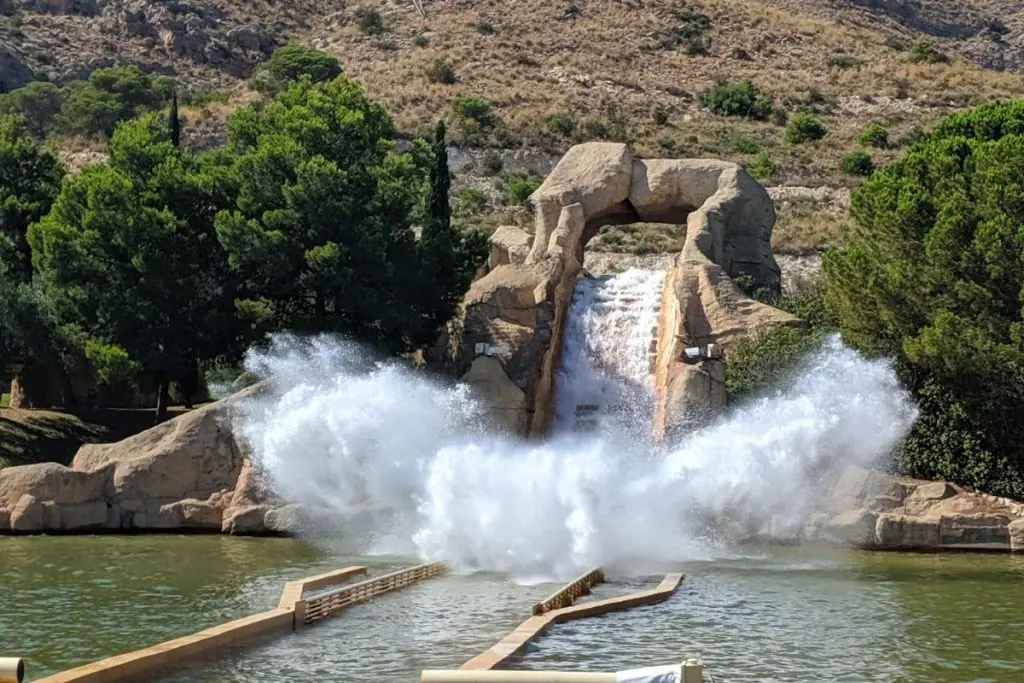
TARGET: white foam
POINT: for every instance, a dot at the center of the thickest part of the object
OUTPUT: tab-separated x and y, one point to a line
337	429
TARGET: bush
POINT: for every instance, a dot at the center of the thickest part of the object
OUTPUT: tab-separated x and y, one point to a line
842	61
780	116
668	146
763	167
737	99
804	127
492	164
857	163
595	129
932	274
486	28
441	72
745	145
474	118
741	54
470	201
690	32
897	43
560	124
660	116
875	135
289	63
766	361
518	188
925	51
422	40
369	21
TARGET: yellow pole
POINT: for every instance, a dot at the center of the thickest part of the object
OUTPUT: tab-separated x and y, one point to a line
12	670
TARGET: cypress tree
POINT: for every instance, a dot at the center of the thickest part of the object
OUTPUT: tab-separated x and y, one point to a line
174	123
438	209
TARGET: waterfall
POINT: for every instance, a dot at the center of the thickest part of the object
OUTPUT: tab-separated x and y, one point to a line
606	379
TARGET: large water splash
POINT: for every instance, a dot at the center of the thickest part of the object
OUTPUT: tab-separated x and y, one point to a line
337	429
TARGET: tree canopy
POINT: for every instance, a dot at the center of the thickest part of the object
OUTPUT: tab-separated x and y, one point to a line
932	273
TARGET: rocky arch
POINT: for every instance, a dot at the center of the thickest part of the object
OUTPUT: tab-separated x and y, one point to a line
516	311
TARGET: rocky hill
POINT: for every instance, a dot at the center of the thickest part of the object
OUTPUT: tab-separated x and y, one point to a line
563	71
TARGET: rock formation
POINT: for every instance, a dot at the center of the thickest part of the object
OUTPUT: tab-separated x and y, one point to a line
517	310
188	473
872	510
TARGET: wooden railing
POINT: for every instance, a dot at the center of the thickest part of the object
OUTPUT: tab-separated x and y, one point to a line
327	604
567	595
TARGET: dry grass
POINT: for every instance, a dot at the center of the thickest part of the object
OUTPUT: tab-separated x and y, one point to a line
804	226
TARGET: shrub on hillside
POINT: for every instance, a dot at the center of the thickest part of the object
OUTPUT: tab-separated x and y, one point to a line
738	99
440	71
932	274
764	362
924	51
842	61
289	63
369	21
560	124
875	135
804	127
518	188
857	162
763	166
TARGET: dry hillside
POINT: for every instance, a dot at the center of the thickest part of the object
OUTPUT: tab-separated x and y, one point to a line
560	71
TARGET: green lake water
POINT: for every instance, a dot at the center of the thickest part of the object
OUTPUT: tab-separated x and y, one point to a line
776	616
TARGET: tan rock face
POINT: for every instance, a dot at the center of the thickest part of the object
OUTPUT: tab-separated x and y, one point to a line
188	473
506	403
520	308
919	515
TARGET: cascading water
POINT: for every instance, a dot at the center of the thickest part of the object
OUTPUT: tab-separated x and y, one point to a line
610	333
336	430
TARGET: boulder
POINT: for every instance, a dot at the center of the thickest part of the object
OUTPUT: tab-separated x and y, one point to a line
509	244
979	531
247	521
900	532
852	528
191	472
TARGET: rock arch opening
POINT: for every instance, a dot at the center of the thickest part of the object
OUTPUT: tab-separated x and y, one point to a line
510	337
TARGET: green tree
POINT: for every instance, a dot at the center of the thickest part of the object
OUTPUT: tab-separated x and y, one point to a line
321	227
857	162
804	127
289	63
130	262
738	99
448	258
174	121
109	96
932	273
38	102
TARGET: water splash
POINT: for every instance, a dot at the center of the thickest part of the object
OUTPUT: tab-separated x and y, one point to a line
338	428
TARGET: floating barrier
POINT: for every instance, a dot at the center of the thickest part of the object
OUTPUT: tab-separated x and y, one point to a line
568	594
12	670
515	642
690	671
294	610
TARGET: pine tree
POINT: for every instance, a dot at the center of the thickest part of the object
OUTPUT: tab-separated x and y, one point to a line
174	123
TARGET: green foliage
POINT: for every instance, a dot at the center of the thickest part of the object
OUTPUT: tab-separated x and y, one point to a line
842	61
745	145
897	43
764	362
857	162
470	201
422	40
174	121
492	163
441	71
130	262
518	188
289	63
29	181
738	99
474	117
38	102
560	124
668	146
369	21
485	28
763	167
875	135
804	127
447	258
932	273
95	107
660	116
926	52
